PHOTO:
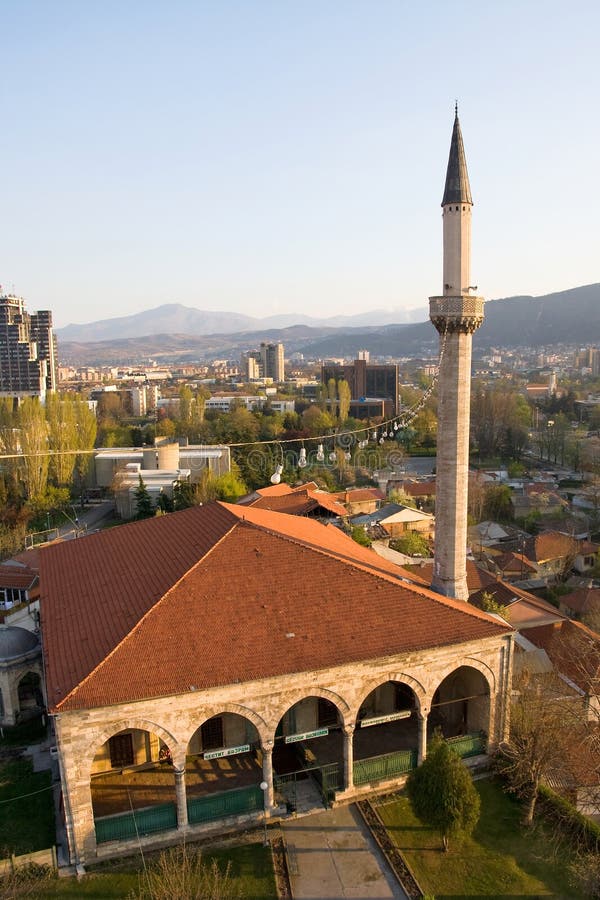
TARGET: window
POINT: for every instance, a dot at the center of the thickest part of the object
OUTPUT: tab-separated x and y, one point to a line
121	750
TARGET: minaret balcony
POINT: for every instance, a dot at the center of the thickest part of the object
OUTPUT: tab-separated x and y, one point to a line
463	313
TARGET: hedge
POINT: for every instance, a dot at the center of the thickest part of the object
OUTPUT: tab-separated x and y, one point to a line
575	824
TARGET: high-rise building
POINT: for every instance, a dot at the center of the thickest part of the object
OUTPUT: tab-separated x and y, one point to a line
268	362
251	365
457	314
27	350
367	382
273	361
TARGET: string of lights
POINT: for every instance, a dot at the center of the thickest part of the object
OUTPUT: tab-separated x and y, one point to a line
379	433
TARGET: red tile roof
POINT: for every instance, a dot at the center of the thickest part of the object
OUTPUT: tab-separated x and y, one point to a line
582	600
300	502
477	577
219	594
514	562
17	577
419	488
549	545
30	558
525	609
574	650
359	495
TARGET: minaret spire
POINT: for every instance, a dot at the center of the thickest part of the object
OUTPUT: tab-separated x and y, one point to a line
456	314
457	188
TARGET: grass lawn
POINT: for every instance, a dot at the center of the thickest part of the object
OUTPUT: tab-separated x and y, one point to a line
500	859
251	867
26	824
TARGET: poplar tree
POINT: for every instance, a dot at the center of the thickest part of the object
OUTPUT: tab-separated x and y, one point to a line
344	397
33	436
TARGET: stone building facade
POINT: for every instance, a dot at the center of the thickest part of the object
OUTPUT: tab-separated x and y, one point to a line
212	649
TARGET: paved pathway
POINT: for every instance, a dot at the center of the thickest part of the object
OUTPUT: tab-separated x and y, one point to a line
333	857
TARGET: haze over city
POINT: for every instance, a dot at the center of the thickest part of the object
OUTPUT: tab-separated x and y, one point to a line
269	158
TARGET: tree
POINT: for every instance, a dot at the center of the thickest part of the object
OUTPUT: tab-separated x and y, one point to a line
359	535
497	503
143	501
344	397
534	748
33	433
411	544
397	495
491	605
442	792
315	421
61	437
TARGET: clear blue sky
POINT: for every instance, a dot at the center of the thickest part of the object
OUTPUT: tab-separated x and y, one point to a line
267	157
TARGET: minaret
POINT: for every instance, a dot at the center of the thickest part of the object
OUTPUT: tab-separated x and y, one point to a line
456	315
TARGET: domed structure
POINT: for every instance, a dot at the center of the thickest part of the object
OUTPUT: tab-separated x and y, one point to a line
20	675
16	642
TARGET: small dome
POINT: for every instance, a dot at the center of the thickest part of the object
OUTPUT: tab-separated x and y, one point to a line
15	642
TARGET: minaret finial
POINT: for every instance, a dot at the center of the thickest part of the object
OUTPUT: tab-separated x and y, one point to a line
456	108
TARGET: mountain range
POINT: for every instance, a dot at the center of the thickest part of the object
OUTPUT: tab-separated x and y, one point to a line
175	333
174	318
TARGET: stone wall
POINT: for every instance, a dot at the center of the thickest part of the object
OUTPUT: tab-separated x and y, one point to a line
175	720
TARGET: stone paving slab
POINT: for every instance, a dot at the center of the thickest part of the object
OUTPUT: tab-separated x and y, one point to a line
333	857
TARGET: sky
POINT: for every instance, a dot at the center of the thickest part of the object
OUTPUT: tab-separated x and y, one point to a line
276	157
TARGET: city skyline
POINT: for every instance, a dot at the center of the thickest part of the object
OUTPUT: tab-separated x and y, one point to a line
272	160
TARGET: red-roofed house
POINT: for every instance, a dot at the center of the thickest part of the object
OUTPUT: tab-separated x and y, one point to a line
581	602
193	656
552	553
302	500
574	650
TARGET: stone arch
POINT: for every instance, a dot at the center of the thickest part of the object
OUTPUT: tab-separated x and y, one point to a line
177	749
341	705
473	663
237	709
464	699
417	688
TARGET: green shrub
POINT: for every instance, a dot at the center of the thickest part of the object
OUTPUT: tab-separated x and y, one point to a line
578	827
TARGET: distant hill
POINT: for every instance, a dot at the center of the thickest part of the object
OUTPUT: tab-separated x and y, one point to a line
174	318
567	317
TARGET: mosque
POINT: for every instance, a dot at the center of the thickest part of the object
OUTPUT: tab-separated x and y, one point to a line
212	666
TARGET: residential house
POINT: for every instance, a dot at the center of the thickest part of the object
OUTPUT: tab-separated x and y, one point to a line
360	500
524	610
397	520
580	603
552	554
302	500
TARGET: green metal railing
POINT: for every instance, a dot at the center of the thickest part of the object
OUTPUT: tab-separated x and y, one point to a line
377	768
469	744
228	803
138	822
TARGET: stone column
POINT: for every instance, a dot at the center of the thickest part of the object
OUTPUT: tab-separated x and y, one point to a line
422	744
348	757
181	798
267	772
